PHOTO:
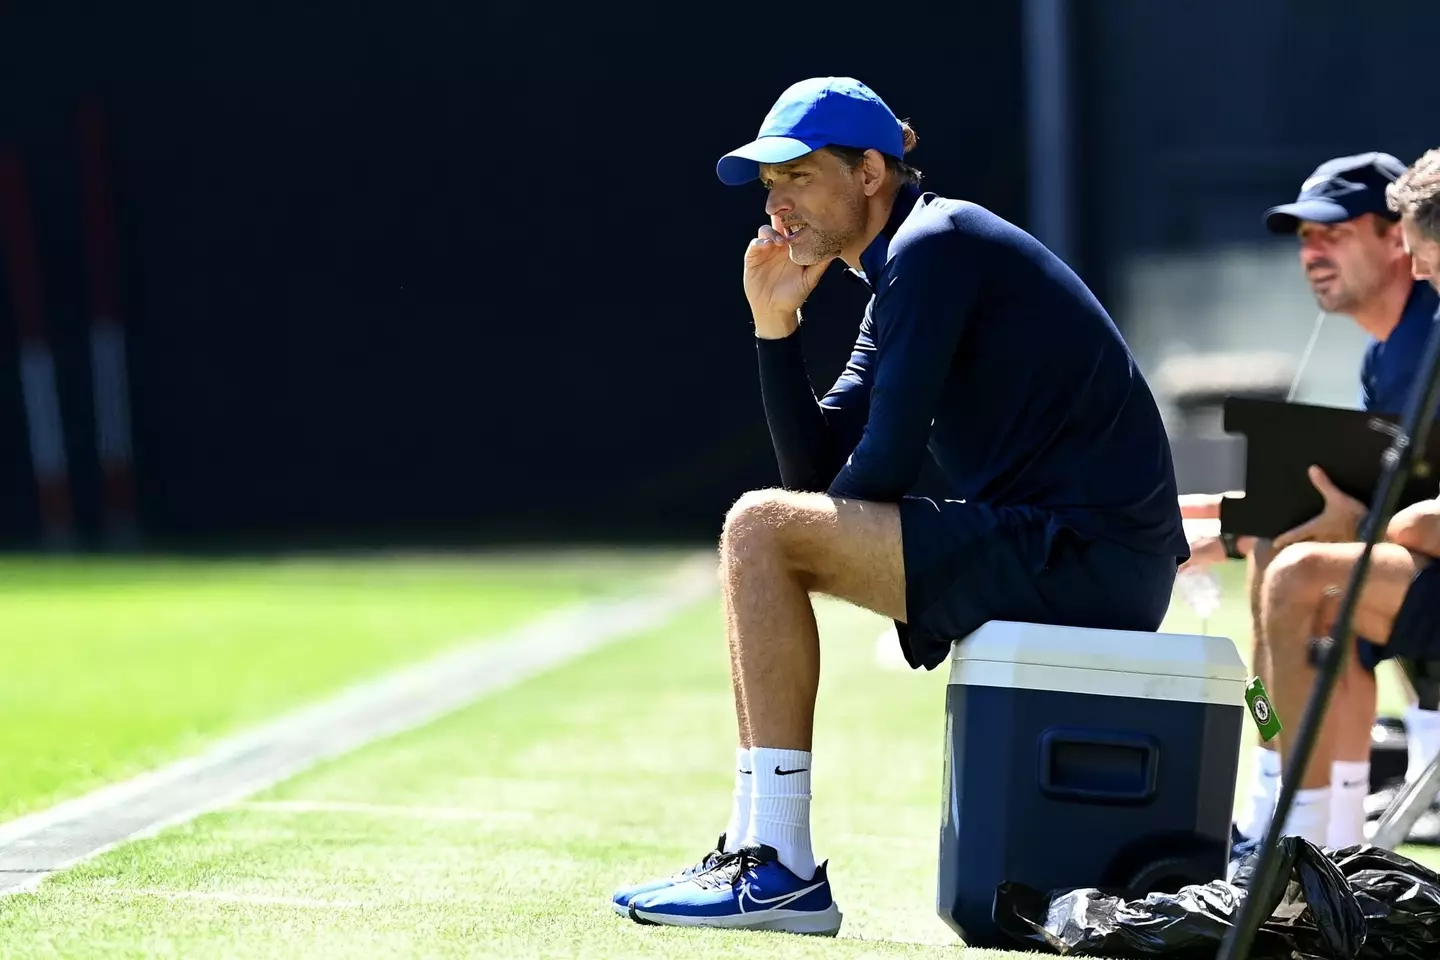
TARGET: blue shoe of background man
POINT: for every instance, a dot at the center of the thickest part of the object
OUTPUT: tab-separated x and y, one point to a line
1241	845
749	889
622	897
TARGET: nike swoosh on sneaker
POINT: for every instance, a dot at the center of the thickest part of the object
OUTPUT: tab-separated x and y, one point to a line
770	903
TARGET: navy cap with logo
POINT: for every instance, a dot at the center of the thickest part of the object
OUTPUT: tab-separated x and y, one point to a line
815	113
1340	189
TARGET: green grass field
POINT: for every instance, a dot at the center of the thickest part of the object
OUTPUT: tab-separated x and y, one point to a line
500	830
108	668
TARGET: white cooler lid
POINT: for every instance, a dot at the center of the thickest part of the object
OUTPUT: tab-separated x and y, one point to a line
1040	656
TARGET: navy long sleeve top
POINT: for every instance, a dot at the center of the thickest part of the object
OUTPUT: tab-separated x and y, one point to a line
982	349
1390	367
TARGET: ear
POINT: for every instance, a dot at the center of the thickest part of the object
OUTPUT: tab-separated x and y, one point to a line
1396	235
1431	250
1394	239
872	172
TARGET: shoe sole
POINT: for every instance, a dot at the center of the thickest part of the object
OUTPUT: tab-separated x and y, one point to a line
821	923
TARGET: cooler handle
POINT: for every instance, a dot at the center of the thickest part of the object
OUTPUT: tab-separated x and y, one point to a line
1098	766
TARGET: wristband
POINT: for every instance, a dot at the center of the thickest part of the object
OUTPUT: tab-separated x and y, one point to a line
1232	549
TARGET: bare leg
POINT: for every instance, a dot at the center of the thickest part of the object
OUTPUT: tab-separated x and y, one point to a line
1255	567
1355	698
777	548
741	720
1264	781
1298	590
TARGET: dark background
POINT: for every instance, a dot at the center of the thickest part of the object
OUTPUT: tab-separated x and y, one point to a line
451	272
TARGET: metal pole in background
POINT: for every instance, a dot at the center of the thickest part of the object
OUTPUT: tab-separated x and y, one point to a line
37	363
1046	31
107	333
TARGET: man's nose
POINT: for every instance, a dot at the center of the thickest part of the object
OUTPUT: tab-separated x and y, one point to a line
777	205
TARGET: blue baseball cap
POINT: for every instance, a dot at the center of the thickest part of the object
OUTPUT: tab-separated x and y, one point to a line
815	113
1339	190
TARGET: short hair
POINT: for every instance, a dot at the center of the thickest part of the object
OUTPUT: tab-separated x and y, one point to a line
852	157
1416	194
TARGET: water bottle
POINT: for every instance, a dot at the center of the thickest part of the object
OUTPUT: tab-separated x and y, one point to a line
1200	589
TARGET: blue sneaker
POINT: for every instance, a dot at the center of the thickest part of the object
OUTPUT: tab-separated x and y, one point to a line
622	897
749	889
1241	846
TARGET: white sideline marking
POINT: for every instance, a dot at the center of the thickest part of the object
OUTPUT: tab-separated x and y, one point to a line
383	810
35	846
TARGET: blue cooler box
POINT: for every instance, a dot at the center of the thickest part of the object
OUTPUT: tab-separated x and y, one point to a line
1085	758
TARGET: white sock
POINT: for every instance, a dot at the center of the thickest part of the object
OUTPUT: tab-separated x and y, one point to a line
740	806
1309	816
780	807
1349	785
1422	740
1264	789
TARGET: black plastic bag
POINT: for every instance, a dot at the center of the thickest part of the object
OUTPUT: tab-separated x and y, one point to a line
1360	902
1400	900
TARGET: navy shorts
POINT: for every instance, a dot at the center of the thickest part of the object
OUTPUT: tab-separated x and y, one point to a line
967	564
1416	633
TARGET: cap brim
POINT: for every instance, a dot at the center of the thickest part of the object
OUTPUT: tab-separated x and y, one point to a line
743	164
1286	218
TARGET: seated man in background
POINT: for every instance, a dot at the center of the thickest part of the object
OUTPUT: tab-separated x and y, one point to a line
1354	256
1397	614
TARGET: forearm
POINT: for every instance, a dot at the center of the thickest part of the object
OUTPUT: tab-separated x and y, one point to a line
803	441
1204	506
882	469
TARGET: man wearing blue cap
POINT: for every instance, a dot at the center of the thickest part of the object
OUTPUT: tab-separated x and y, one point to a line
978	348
1344	201
1352	250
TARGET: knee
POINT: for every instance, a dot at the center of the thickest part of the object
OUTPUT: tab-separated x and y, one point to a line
756	521
1295	579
